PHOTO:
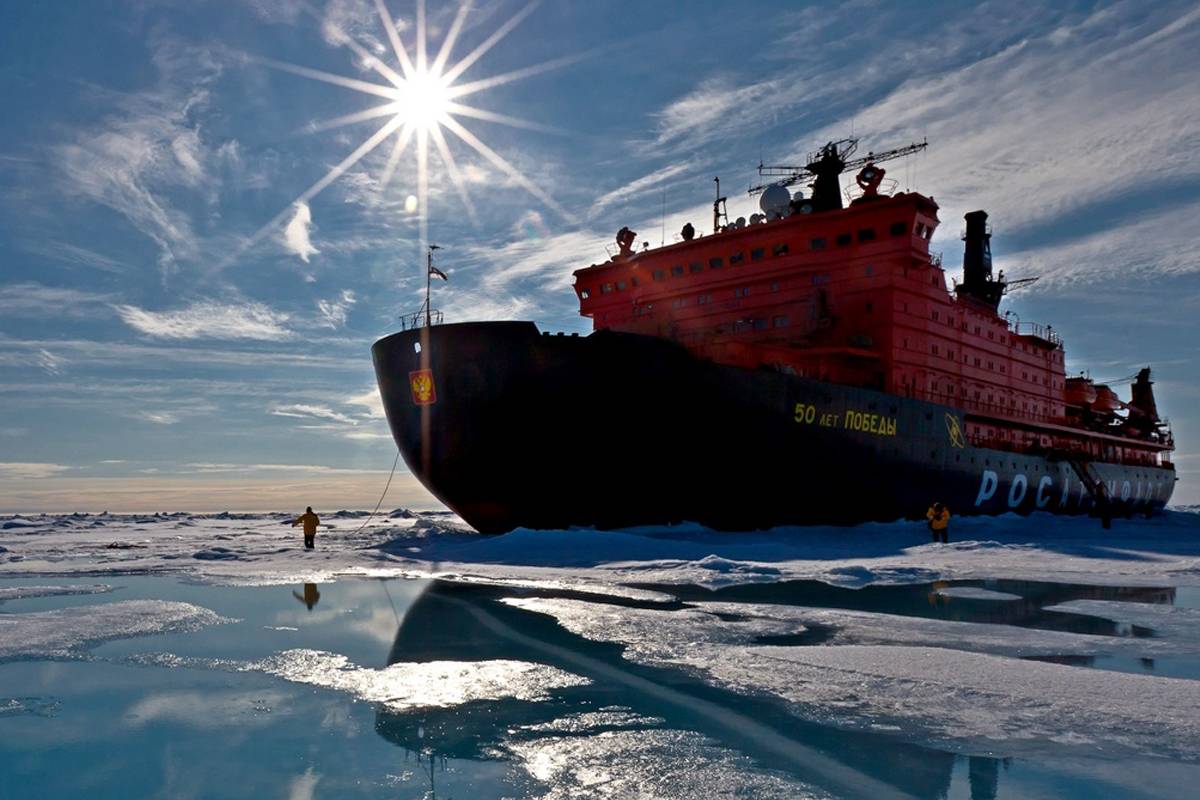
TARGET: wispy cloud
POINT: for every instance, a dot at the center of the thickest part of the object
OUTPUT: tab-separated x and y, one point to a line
31	299
296	234
636	187
159	417
303	411
209	320
315	469
1075	160
49	363
150	145
19	470
75	255
715	109
334	312
369	400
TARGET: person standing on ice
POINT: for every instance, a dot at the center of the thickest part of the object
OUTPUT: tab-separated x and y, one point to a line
310	522
939	522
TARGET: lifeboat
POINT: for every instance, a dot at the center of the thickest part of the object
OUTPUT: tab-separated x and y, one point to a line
1080	392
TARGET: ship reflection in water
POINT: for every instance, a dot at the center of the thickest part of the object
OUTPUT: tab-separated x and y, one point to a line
453	622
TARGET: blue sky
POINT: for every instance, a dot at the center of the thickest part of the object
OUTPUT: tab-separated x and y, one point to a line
176	332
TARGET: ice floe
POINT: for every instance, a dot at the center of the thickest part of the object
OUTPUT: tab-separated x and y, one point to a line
953	684
69	632
408	685
22	592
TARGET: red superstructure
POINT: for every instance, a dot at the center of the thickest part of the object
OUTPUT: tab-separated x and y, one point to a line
853	296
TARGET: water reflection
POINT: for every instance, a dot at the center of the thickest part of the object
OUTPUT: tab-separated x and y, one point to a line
465	623
310	597
1026	608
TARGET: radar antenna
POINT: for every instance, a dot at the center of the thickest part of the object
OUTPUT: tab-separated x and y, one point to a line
823	169
719	213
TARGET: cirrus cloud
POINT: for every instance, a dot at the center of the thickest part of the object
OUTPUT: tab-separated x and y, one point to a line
208	320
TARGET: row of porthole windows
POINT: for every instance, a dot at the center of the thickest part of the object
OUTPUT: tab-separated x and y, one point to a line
704	299
762	323
757	254
948	390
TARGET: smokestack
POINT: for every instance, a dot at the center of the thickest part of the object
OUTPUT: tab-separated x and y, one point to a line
977	254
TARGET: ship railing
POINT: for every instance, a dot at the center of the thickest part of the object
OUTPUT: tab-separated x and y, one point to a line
1036	330
982	406
419	319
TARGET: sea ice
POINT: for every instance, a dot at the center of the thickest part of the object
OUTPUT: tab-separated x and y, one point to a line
69	632
20	592
407	685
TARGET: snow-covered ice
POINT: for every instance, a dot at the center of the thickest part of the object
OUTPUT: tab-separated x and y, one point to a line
962	669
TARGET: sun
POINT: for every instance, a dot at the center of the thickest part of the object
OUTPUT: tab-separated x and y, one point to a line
423	101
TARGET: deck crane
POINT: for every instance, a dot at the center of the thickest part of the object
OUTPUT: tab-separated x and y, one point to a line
824	168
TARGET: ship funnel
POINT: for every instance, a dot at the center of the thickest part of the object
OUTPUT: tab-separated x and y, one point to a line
977	255
978	283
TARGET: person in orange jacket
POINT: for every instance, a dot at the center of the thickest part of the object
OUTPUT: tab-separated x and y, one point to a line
310	521
939	522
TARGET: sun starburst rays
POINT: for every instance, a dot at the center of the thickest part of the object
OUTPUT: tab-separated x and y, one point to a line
423	100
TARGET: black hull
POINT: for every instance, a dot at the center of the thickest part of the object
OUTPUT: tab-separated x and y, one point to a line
613	430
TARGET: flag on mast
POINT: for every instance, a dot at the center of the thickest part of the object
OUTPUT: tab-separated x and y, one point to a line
434	272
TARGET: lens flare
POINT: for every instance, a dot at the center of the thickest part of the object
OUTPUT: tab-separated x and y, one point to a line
424	101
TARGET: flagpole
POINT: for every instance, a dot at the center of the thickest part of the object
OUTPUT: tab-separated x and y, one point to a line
428	284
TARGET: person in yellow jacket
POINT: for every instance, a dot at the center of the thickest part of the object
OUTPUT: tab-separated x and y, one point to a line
310	522
939	522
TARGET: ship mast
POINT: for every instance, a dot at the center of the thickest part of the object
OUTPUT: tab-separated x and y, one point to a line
824	167
429	283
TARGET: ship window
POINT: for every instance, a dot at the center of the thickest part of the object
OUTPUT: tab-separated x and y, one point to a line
605	288
760	324
928	233
736	258
774	286
935	316
977	361
870	270
677	269
921	229
991	334
950	354
741	291
695	266
584	294
817	243
416	347
780	249
934	349
660	274
899	228
633	281
780	322
866	235
704	299
716	263
870	307
757	253
843	239
620	286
